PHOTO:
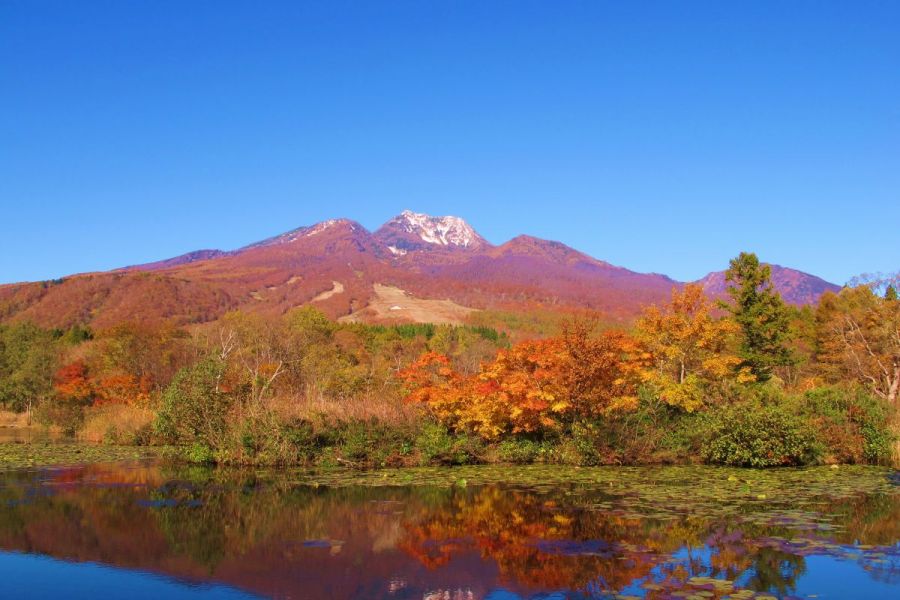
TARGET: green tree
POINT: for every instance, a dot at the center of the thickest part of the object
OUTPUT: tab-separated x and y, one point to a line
194	407
763	316
28	359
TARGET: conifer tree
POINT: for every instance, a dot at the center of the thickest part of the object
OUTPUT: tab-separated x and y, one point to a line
763	316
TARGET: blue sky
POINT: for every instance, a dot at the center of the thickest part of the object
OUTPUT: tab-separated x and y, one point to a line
661	136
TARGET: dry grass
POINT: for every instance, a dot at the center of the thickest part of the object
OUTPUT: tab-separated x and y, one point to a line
320	409
14	419
116	423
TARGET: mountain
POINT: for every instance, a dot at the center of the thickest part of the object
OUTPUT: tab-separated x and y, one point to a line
415	267
796	287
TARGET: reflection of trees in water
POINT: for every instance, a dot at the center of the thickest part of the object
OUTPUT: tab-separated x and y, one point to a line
736	554
201	523
775	571
202	536
608	551
512	528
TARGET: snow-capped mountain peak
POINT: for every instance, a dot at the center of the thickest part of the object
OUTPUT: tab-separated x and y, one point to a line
414	231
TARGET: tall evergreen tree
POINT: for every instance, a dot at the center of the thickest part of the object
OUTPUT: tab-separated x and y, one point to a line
890	293
763	316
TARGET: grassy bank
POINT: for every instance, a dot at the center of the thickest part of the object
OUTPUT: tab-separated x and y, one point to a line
762	426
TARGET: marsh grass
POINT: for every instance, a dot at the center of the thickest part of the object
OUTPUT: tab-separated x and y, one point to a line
117	424
9	418
320	409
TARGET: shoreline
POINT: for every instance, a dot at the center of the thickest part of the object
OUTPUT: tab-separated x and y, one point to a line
49	453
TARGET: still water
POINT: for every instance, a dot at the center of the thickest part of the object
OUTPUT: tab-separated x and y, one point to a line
143	530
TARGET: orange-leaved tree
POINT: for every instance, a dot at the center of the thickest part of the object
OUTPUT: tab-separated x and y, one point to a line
122	388
521	391
431	381
72	382
601	372
533	387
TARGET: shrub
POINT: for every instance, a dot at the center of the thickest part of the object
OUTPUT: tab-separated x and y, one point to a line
520	451
199	453
584	442
757	435
879	441
682	437
302	438
851	423
28	359
68	416
262	438
367	443
436	445
580	446
356	441
193	408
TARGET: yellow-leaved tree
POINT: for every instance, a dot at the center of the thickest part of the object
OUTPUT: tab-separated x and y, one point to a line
691	349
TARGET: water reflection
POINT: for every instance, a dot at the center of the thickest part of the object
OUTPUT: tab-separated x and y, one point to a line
270	535
30	435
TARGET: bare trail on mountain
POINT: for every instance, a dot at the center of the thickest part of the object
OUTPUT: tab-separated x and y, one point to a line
337	288
393	304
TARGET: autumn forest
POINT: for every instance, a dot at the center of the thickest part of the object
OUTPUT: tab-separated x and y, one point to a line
745	381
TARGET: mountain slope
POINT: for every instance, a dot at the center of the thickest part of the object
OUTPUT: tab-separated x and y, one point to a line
338	266
183	259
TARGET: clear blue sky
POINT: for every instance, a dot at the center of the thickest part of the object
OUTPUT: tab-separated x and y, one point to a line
661	136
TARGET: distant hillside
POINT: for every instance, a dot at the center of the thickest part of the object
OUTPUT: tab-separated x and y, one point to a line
796	287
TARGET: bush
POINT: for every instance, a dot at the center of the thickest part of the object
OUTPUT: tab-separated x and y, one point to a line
302	438
28	359
438	446
680	437
369	443
200	454
852	424
758	435
357	440
584	442
68	416
192	408
520	451
879	442
580	446
262	438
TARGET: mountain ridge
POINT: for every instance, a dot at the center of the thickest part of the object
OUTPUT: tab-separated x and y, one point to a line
440	258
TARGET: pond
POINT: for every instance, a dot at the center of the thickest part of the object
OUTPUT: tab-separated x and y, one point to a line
150	530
